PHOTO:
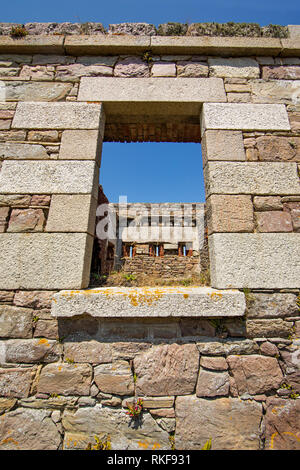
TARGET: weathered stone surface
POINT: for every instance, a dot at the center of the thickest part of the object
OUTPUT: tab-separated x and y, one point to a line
233	67
232	423
279	72
295	121
29	351
112	44
144	29
241	116
255	374
22	151
274	221
46	329
37	72
92	352
46	177
209	346
72	213
114	378
168	424
15	322
49	403
26	220
167	370
268	328
57	116
43	136
213	363
6	404
192	69
38	91
107	60
4	213
267	203
82	425
12	135
269	349
55	254
65	379
236	87
276	91
34	299
6	296
15	200
193	327
254	260
274	148
272	306
223	145
16	382
40	200
239	97
73	72
80	145
282	424
128	350
212	384
229	213
163	412
5	124
293	208
251	178
151	90
132	67
163	69
149	302
158	402
27	429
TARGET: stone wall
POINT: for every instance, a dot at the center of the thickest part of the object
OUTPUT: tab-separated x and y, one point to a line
169	266
233	378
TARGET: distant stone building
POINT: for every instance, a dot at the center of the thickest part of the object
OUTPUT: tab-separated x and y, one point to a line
163	239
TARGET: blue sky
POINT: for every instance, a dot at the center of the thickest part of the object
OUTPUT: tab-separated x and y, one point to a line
154	11
152	172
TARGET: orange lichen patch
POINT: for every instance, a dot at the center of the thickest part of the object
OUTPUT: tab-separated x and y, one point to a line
156	445
44	341
144	444
276	408
9	440
288	433
216	296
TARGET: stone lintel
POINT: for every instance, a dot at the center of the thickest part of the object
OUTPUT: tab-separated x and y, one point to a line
149	302
151	90
255	260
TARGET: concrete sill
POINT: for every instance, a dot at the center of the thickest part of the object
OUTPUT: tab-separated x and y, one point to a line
149	302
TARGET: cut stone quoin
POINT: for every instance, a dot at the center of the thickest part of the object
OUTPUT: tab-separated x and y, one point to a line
232	116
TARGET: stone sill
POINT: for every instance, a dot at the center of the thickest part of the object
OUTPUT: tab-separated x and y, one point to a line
99	44
149	302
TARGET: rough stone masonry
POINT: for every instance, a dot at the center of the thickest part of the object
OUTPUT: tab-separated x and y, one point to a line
222	361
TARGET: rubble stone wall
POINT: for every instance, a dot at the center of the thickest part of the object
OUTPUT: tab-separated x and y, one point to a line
65	380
